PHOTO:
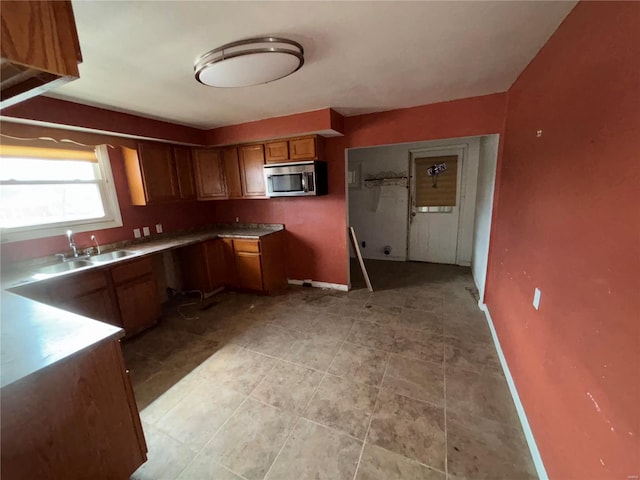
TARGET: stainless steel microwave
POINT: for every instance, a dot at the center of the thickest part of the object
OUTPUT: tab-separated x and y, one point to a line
296	179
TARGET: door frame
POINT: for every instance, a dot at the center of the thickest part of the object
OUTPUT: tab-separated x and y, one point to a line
462	150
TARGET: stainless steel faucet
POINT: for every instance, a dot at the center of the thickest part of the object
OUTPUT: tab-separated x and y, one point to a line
95	240
72	243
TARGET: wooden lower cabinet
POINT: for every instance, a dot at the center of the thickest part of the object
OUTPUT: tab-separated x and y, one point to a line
248	271
136	293
247	264
85	293
76	419
204	266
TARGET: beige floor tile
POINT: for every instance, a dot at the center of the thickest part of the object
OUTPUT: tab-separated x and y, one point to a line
204	467
166	457
481	395
371	334
312	352
330	328
140	368
149	391
469	355
169	399
316	452
429	303
342	404
198	416
387	298
381	464
383	314
249	442
485	450
360	364
236	368
421	345
288	386
272	340
409	427
415	378
294	319
421	320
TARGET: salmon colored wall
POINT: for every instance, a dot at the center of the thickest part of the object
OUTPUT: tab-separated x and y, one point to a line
62	112
568	222
172	217
288	125
317	226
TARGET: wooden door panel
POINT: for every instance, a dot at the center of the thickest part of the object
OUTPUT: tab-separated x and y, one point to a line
249	271
303	148
232	172
275	152
159	172
186	177
97	305
139	303
215	264
252	171
210	180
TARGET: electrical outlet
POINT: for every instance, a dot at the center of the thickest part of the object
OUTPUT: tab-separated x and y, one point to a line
146	232
237	219
136	233
536	298
364	244
158	228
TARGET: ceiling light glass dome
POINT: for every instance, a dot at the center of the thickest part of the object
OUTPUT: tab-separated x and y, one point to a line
249	62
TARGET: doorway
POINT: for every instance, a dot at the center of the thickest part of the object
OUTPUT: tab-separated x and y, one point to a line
436	195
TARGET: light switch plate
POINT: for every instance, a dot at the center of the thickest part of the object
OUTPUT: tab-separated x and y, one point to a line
536	298
136	233
145	231
158	228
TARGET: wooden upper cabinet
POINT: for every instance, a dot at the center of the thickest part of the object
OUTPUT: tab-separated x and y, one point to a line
232	172
151	173
209	168
39	48
184	170
303	148
251	170
275	152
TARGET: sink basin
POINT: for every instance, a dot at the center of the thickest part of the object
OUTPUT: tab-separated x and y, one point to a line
110	256
62	267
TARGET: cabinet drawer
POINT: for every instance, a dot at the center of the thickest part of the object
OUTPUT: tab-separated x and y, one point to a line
249	246
77	285
131	270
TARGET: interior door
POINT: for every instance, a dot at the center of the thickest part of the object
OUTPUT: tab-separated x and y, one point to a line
435	206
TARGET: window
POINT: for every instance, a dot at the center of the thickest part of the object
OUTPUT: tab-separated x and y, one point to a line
437	193
46	191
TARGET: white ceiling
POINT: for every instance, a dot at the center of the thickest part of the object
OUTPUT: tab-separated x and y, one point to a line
360	57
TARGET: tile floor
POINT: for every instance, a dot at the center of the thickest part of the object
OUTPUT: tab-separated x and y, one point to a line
403	383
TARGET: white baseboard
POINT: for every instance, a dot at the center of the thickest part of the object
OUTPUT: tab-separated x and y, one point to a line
333	286
528	434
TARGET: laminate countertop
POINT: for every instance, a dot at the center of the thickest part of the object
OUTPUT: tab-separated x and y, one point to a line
28	272
35	336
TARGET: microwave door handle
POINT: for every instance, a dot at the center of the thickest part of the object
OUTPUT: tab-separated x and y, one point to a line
305	189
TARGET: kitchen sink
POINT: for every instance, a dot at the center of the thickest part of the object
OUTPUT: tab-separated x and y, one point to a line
110	256
62	267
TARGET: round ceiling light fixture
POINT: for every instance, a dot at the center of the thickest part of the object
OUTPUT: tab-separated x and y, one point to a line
249	62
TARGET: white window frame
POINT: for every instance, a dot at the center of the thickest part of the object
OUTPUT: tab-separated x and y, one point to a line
111	219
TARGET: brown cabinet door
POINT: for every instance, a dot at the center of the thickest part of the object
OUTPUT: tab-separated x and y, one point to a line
229	261
210	179
303	148
215	264
139	303
232	172
97	305
158	172
186	177
192	264
248	270
275	152
251	170
41	35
